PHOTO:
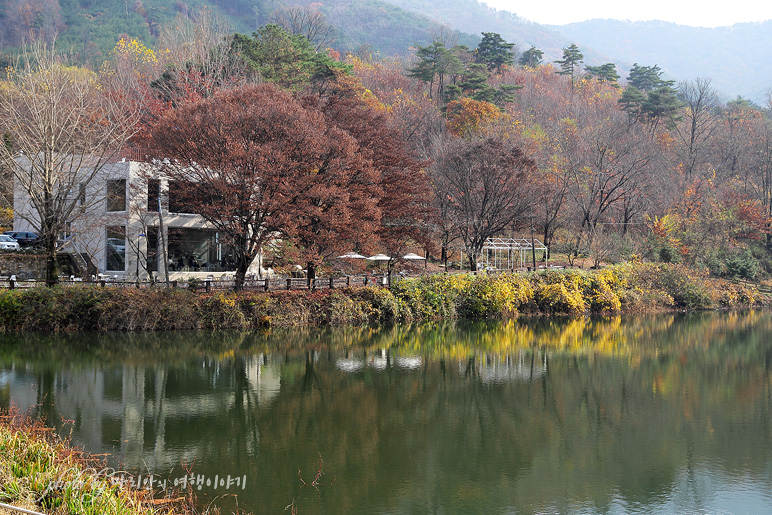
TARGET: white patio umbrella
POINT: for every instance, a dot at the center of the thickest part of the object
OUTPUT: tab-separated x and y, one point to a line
379	257
382	257
415	257
352	255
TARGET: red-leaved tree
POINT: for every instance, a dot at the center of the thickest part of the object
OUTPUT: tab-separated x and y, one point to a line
258	165
405	193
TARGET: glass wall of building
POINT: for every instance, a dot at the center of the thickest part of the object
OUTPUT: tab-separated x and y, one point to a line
115	249
198	250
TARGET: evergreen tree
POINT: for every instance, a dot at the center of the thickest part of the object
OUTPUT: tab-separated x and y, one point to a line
569	65
649	97
288	60
531	57
475	83
435	63
494	52
662	104
452	93
604	73
475	86
632	101
647	78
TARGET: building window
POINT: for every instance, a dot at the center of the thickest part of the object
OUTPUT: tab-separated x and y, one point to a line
153	195
198	250
81	194
152	249
115	249
116	195
183	197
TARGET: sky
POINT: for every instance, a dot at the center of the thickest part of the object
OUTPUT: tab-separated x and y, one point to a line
706	13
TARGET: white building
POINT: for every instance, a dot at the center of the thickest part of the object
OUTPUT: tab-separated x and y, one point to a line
115	229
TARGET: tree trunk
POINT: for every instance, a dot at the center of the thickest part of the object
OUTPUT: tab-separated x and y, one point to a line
52	265
311	274
241	273
472	262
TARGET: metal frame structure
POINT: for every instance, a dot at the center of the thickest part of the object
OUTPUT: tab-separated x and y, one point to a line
512	251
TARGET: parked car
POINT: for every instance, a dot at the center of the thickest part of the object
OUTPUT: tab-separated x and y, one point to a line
8	243
24	238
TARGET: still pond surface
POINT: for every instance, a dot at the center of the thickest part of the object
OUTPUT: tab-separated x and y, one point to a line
659	414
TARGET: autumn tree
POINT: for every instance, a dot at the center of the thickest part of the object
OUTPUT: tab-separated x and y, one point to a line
700	123
466	117
63	128
404	200
256	164
604	160
485	183
194	60
386	88
306	22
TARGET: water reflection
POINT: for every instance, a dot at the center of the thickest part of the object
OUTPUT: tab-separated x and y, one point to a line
652	414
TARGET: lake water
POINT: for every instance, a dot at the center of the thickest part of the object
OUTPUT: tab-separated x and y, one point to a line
656	414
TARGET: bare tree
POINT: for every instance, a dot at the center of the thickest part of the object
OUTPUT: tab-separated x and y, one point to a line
604	160
306	22
485	183
64	128
698	125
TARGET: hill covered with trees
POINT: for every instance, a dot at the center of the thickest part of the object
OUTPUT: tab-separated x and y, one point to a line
604	164
732	57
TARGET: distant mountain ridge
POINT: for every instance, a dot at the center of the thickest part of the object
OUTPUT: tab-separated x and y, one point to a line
735	58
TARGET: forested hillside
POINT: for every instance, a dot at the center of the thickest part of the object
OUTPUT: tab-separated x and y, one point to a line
90	28
439	152
733	57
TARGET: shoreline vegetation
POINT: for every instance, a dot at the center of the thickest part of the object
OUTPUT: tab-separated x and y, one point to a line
42	473
625	288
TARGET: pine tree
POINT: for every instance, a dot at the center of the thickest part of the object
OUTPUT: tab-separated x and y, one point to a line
531	57
604	73
494	52
569	65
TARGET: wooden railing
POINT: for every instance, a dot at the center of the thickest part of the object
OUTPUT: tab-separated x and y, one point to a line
212	285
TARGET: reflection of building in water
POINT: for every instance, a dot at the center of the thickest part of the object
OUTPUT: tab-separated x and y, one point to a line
497	369
19	386
131	409
379	360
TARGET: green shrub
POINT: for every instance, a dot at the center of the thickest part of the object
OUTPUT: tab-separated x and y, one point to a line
742	265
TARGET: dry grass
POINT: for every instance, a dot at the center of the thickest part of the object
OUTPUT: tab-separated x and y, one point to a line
41	472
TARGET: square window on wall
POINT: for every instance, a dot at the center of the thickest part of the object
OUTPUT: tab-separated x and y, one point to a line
116	195
115	249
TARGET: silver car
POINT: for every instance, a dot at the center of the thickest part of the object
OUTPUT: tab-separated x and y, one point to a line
8	243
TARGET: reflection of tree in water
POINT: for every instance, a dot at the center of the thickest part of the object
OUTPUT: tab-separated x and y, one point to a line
543	415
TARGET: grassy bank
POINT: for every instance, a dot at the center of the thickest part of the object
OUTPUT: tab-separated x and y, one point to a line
631	287
41	473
